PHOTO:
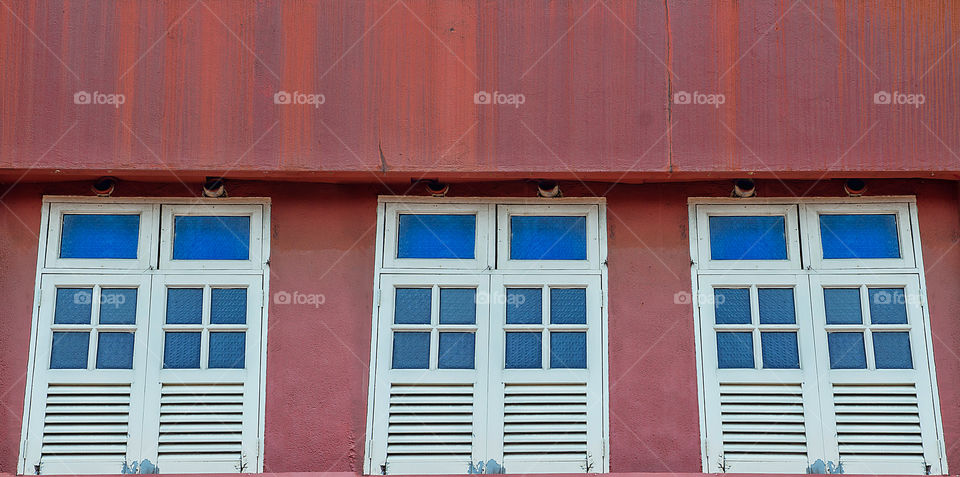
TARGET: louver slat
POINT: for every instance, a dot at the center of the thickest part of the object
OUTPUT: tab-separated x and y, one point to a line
878	422
86	421
430	422
200	421
763	421
545	421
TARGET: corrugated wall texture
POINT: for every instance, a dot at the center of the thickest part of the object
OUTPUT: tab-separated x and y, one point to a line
603	82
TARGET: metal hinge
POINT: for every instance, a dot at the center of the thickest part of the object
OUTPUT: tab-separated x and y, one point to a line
376	298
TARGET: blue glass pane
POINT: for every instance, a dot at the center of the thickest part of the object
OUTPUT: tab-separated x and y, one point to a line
842	306
892	350
69	350
776	306
523	350
227	350
888	306
115	351
735	350
458	306
184	306
99	236
568	350
412	306
732	305
198	237
846	351
411	350
228	306
73	306
779	350
548	238
456	350
859	236
118	306
181	350
436	236
748	238
568	306
524	306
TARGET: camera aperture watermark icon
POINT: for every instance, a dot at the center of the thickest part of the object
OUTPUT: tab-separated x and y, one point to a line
297	298
98	98
696	97
85	297
498	98
684	297
899	99
894	297
298	98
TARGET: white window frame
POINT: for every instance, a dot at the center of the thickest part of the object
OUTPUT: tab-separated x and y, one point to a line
905	206
482	239
792	236
147	238
388	267
169	212
590	211
904	227
146	267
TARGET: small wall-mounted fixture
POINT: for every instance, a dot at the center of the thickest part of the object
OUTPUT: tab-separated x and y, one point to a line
855	187
548	189
104	186
437	188
744	188
213	187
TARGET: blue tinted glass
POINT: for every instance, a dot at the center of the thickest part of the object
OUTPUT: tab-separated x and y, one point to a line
99	236
118	306
779	350
524	306
888	306
548	238
747	238
69	350
412	306
568	306
523	350
184	306
732	305
411	350
456	350
115	351
842	306
892	350
181	350
458	306
846	351
776	306
224	237
859	236
73	306
227	350
228	306
436	236
735	350
568	350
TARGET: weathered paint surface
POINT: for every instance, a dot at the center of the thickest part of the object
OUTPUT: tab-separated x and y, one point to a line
318	357
399	79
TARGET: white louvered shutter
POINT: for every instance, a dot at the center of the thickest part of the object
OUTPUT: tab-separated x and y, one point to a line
203	382
546	378
87	396
761	401
429	396
875	385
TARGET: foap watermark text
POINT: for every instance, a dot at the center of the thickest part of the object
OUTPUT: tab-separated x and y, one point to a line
696	97
898	98
98	98
498	98
297	298
298	98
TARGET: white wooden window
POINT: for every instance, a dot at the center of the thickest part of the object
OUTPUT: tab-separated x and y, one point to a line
124	372
478	366
820	362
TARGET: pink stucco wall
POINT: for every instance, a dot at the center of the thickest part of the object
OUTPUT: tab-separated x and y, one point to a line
323	241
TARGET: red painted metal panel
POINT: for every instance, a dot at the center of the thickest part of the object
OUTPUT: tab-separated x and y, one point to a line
798	80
